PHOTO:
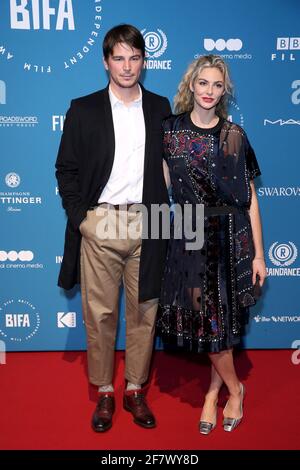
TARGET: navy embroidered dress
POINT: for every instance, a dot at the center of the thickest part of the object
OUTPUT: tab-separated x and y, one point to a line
206	293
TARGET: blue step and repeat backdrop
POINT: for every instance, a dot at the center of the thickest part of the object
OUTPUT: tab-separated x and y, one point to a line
50	52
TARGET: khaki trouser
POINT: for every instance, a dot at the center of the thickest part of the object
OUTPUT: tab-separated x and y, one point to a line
105	262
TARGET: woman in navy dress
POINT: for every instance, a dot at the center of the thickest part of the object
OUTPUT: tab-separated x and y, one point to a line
206	293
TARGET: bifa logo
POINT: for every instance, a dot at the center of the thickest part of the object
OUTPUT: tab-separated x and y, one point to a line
2	92
19	320
2	352
35	14
295	96
66	320
156	43
283	255
62	33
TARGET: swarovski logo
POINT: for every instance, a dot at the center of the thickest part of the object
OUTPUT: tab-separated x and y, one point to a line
273	191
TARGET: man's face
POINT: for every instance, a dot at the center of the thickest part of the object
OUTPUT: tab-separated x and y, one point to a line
124	65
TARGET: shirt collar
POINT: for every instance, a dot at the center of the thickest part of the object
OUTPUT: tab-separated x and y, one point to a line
116	102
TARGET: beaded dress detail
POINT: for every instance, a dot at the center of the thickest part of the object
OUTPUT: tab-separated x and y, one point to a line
206	293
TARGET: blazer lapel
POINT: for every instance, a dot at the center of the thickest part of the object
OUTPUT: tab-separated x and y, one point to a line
109	126
148	126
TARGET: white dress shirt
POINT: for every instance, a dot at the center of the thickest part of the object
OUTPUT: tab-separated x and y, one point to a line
125	184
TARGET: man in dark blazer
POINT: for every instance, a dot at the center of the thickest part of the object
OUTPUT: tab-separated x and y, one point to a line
110	158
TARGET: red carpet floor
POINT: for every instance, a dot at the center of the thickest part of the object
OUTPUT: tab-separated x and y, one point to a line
46	403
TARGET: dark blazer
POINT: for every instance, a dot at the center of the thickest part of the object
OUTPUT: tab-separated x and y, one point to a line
83	166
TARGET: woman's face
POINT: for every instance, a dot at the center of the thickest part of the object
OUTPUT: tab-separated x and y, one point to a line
208	88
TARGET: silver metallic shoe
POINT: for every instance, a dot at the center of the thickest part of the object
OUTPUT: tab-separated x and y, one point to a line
229	424
205	427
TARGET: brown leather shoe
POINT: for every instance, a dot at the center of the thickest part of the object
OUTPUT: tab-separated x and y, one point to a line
135	402
102	417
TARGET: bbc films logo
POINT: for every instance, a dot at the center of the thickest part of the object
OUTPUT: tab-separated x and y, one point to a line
15	201
295	96
286	49
283	256
70	29
156	43
235	115
18	121
66	319
19	321
232	48
22	259
2	92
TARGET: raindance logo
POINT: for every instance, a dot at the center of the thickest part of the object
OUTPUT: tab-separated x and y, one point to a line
284	45
18	121
283	255
11	260
62	31
19	320
235	113
12	180
14	200
156	44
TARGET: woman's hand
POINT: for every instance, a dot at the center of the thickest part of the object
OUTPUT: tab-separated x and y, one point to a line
259	269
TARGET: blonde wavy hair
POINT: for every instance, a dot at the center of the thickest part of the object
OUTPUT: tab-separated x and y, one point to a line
184	99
